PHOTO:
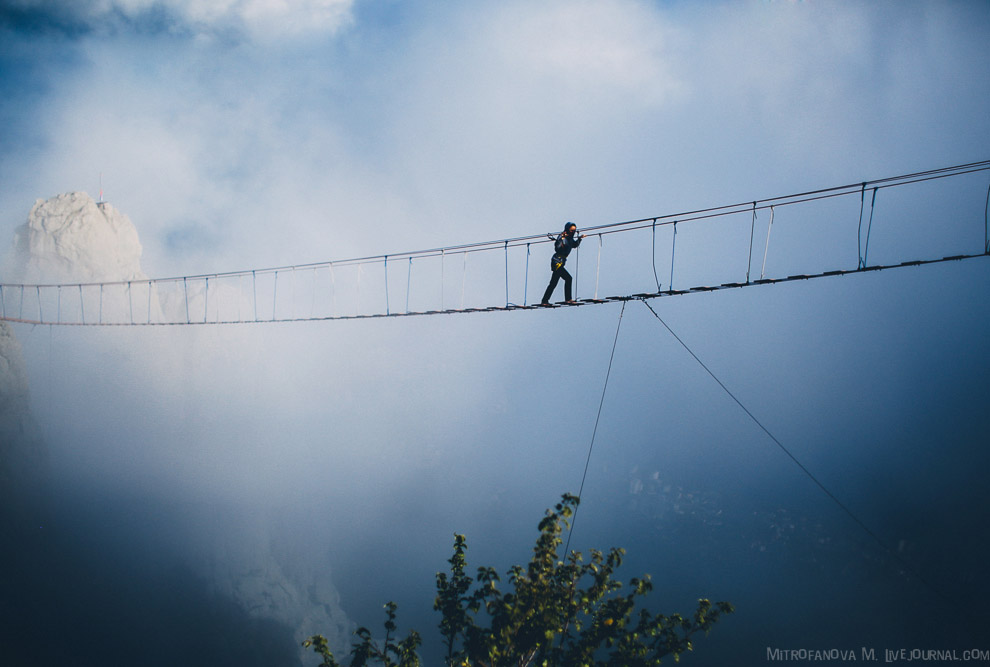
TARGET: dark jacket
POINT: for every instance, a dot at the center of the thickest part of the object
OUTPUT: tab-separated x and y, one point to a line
562	246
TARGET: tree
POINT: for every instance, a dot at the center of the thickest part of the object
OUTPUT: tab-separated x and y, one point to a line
558	613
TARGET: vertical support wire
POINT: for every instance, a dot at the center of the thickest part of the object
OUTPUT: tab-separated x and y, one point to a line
598	270
767	248
752	230
130	302
653	256
986	236
673	249
859	229
294	296
386	286
506	247
577	269
254	288
216	282
526	280
185	291
3	304
149	302
312	293
441	277
357	307
866	248
463	277
41	317
101	304
274	296
58	305
206	301
408	283
333	292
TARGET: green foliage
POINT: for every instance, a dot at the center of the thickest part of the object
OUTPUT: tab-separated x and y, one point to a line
557	613
320	646
367	650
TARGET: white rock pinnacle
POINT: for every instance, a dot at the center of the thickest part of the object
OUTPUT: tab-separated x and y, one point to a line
72	238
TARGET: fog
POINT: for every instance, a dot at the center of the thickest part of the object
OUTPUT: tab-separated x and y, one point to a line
348	453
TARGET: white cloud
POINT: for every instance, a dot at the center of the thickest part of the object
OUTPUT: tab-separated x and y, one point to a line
592	50
473	122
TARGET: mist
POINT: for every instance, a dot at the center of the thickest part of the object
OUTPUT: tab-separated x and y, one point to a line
348	453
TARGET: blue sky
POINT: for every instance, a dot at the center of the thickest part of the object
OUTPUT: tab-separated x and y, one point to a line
259	134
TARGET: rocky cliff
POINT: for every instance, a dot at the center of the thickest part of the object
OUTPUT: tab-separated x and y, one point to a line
23	474
73	239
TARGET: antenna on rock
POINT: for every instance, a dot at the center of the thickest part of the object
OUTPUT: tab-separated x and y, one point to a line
100	203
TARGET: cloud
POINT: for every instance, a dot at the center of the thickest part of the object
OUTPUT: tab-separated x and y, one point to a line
460	122
258	19
590	51
508	117
848	83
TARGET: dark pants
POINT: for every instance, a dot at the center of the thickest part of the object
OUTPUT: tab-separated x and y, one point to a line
554	279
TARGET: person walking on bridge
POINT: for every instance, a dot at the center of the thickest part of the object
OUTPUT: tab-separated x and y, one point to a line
562	246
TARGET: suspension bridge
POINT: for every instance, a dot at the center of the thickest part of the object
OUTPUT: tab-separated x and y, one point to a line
723	251
721	248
